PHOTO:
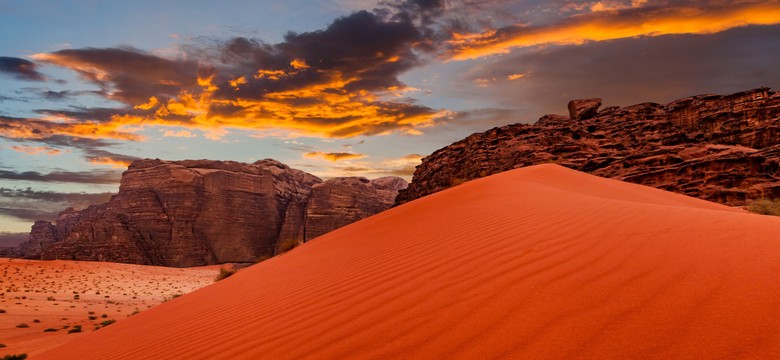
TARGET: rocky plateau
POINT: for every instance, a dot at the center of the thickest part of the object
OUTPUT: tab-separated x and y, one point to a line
722	148
201	212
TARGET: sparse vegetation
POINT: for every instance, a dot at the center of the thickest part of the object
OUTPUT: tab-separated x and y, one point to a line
765	207
50	330
225	272
287	245
23	325
75	329
15	357
107	322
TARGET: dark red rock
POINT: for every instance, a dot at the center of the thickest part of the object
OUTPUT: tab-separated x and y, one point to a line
719	148
582	109
198	212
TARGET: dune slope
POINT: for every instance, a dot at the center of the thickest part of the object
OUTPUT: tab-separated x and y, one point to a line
535	263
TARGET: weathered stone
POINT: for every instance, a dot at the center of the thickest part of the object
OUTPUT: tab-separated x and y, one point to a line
341	201
720	148
583	109
42	235
199	212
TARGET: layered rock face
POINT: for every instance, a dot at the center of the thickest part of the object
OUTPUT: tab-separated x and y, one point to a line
199	212
720	148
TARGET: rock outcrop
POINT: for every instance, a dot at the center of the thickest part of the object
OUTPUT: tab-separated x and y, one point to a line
199	212
720	148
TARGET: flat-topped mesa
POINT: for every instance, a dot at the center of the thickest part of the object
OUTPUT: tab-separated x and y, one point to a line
195	212
723	148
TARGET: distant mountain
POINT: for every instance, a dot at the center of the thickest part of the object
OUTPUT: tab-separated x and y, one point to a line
719	148
200	212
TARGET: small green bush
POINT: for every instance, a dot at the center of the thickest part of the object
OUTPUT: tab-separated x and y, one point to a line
224	273
765	207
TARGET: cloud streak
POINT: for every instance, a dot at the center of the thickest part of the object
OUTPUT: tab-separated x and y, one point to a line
83	177
333	156
616	23
20	69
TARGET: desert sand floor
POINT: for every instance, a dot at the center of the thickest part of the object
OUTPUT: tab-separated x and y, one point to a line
42	302
535	263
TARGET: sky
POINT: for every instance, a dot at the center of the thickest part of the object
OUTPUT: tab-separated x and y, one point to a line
334	88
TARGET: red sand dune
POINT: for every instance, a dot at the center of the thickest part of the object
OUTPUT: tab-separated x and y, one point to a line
536	263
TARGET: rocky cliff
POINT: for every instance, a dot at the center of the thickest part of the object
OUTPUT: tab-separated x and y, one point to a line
199	212
720	148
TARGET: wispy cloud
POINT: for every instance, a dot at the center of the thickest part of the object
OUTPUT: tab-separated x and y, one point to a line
608	22
333	156
84	177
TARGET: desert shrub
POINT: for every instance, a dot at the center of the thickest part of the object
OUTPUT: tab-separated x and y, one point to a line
107	322
75	329
2	311
92	317
50	330
225	272
15	357
286	246
765	207
22	325
2	346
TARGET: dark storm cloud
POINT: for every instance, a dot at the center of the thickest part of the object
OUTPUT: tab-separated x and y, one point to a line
629	71
20	69
83	177
126	74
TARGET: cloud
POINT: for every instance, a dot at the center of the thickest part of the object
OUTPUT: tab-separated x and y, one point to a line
340	81
104	157
84	177
33	150
333	156
29	204
617	23
180	133
622	72
20	69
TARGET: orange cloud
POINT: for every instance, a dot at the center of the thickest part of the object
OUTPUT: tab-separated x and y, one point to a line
609	23
113	162
36	150
333	156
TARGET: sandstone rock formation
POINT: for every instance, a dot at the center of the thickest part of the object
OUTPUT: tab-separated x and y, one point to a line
720	148
582	109
199	212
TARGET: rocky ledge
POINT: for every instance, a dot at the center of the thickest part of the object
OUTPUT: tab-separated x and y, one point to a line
200	212
719	148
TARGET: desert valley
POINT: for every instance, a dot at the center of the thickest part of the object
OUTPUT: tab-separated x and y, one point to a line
390	179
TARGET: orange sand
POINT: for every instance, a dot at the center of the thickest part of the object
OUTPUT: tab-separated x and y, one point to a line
70	293
536	263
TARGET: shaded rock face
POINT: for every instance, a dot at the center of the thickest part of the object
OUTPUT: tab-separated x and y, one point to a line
719	148
193	212
341	201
